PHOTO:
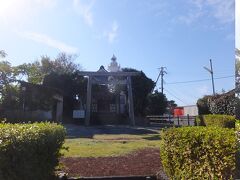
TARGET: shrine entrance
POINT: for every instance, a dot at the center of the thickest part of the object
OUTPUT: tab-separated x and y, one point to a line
105	102
103	105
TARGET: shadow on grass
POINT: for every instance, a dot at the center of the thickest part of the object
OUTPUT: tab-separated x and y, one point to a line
76	131
153	137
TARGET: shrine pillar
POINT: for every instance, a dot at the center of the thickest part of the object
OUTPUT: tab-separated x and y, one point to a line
130	101
88	104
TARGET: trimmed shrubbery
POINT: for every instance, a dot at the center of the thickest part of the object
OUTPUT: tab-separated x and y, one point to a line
30	151
217	120
219	104
238	130
238	139
199	153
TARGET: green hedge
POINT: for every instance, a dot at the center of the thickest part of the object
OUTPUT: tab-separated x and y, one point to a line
238	154
30	151
237	125
198	153
224	103
217	120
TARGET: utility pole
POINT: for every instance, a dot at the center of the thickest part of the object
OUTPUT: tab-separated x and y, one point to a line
162	72
211	72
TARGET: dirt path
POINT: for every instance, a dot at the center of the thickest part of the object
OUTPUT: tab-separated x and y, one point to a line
141	162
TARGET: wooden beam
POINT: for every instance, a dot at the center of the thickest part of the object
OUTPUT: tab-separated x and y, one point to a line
115	74
124	82
130	101
88	108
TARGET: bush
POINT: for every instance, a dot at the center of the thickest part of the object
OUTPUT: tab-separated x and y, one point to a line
238	154
30	151
224	103
198	153
237	107
238	132
237	125
218	120
199	121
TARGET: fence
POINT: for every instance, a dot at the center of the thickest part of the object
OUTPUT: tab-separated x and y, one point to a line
171	120
20	116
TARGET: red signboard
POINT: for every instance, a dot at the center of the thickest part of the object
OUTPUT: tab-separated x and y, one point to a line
179	111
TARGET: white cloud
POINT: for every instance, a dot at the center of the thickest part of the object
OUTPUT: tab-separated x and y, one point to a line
190	17
221	10
158	7
85	10
198	3
49	41
113	33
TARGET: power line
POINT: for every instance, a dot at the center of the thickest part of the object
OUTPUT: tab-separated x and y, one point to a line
175	96
179	92
199	80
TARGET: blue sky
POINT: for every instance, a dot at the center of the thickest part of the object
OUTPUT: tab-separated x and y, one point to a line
181	35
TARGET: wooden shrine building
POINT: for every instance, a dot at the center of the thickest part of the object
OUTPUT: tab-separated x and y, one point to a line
107	100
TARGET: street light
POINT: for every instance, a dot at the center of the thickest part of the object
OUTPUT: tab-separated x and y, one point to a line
211	72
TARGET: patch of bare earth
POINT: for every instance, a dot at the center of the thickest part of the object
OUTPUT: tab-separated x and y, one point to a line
141	162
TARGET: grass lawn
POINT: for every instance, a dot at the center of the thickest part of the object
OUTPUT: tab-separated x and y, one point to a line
109	145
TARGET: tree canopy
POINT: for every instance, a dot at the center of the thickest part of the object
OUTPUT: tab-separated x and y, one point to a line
219	104
141	87
157	103
59	73
8	91
36	71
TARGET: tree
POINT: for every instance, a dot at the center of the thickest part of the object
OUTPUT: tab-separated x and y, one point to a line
64	64
6	74
224	103
9	97
36	71
237	70
141	87
203	105
170	107
157	103
70	84
3	54
32	71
